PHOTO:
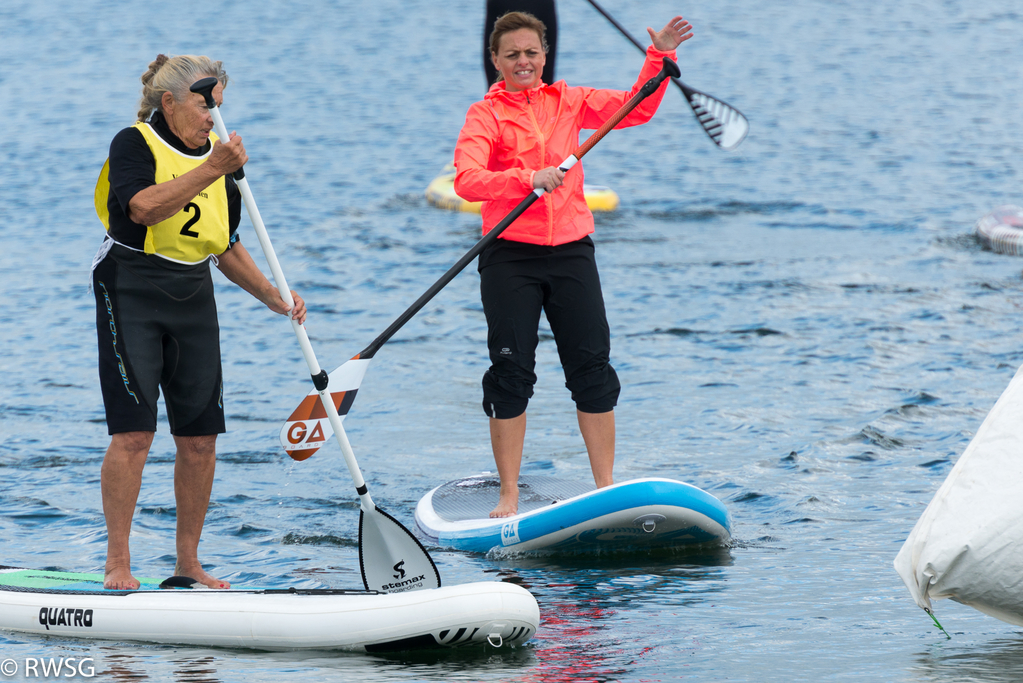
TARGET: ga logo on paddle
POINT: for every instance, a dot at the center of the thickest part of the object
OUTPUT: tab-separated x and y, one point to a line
302	438
308	428
299	434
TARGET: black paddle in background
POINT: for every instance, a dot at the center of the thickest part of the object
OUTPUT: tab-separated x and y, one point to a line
390	557
726	125
307	429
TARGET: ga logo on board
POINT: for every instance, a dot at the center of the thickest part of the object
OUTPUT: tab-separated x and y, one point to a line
510	533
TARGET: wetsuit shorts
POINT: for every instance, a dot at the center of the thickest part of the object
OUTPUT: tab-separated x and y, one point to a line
157	327
519	280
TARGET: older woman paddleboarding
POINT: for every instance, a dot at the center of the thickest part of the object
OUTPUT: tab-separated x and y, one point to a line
169	206
511	144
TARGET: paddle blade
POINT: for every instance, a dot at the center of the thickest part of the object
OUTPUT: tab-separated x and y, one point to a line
308	428
391	558
725	124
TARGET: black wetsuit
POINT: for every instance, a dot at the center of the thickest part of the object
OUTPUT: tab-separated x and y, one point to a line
156	319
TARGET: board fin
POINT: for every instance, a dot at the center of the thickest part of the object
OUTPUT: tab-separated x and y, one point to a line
180	582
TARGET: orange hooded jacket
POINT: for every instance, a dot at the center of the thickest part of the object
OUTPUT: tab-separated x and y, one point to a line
510	135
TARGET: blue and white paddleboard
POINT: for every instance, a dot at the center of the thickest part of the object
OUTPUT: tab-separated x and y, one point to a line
557	515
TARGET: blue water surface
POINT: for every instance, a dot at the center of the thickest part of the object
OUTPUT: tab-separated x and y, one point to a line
805	327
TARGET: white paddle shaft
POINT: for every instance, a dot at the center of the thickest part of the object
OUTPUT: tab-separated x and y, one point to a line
300	331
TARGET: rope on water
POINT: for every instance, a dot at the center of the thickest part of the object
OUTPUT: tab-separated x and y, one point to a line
935	620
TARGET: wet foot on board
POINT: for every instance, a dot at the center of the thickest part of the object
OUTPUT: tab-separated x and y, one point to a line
120	580
200	576
505	508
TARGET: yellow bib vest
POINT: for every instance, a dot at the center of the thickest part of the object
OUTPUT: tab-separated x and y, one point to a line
191	235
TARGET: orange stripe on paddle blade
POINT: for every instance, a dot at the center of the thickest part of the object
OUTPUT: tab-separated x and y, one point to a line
302	455
311	407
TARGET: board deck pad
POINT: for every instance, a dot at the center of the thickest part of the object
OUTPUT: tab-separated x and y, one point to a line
474	498
41	579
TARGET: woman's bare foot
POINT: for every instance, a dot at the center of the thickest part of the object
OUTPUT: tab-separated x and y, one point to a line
120	579
507	504
197	573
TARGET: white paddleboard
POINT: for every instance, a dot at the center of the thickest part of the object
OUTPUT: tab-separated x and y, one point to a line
75	605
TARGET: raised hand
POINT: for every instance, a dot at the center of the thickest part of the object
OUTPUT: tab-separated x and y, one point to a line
675	32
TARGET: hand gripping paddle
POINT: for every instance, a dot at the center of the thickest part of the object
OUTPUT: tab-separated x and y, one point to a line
391	558
308	428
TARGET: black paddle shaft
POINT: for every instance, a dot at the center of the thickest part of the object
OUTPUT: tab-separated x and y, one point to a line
204	87
668	69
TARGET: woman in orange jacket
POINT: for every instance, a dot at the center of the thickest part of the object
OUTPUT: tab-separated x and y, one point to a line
510	145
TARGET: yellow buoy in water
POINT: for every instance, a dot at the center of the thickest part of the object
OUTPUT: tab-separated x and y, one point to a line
441	193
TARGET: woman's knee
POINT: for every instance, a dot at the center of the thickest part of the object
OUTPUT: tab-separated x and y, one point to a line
505	397
595	391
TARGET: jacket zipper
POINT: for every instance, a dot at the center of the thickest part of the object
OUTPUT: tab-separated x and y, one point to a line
548	201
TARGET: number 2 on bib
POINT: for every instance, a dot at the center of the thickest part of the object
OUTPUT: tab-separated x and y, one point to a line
191	221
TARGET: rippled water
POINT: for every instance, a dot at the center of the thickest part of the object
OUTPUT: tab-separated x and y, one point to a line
805	328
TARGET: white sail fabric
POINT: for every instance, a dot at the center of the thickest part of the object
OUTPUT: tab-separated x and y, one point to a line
968	544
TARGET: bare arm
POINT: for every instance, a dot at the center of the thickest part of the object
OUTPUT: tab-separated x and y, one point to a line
237	265
159	202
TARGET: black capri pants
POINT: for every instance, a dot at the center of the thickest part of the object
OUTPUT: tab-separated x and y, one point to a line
519	280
